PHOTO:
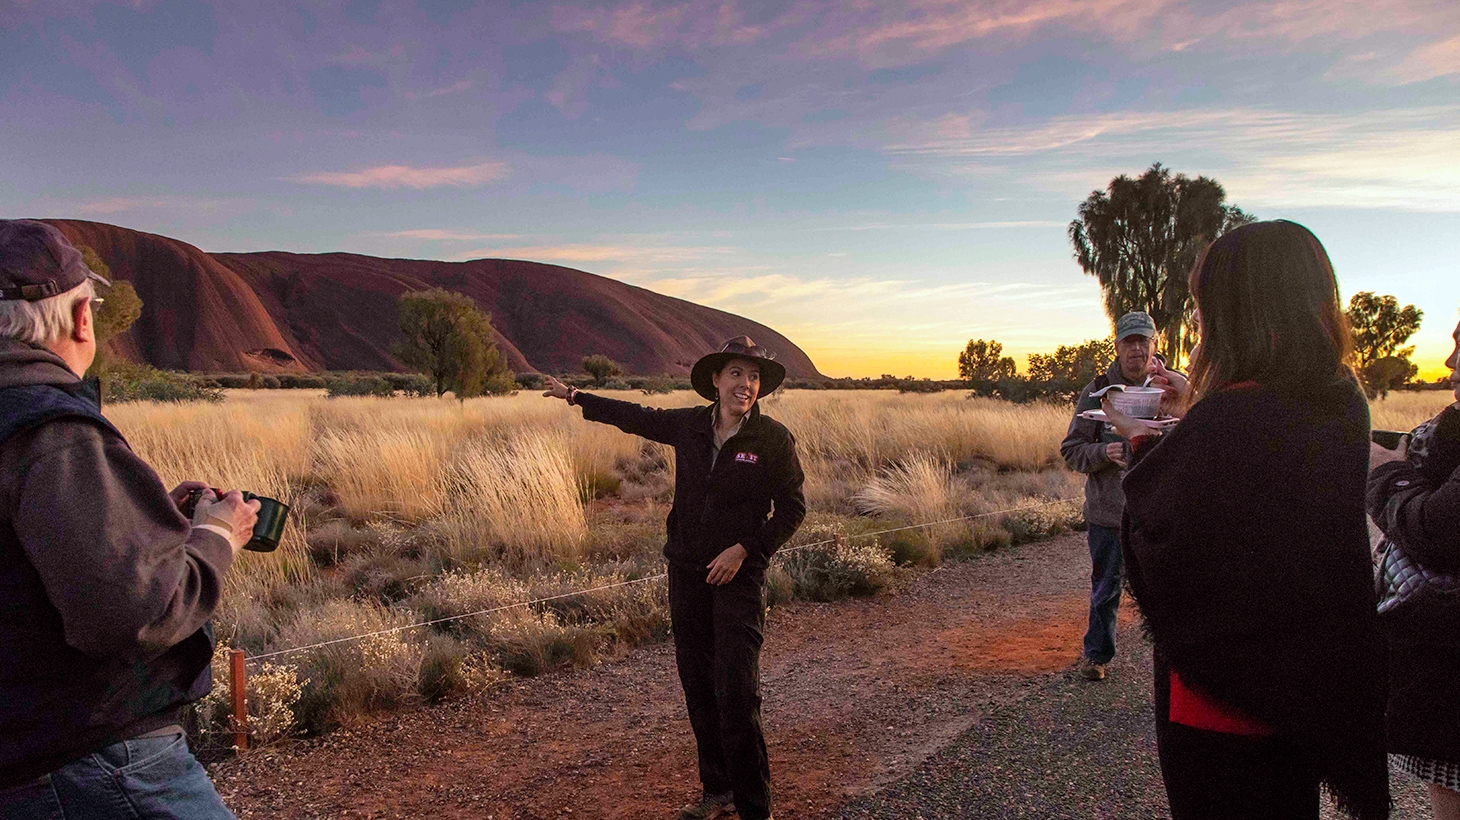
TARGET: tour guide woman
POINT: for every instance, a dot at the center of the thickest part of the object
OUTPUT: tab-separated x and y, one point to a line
1248	553
737	499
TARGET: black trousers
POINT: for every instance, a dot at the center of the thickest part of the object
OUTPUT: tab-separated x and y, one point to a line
718	632
1220	776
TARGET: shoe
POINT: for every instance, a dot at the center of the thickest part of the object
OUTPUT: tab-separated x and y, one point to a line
1090	670
709	807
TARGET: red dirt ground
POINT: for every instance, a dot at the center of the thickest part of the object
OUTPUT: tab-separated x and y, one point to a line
857	694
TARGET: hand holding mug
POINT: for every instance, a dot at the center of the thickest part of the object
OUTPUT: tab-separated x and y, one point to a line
231	513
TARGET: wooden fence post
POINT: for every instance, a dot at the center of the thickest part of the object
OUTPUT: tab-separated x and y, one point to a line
240	699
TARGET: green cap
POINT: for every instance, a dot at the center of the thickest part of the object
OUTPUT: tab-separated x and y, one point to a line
1137	321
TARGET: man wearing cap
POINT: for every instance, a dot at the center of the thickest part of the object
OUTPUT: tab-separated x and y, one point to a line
105	587
737	499
1092	448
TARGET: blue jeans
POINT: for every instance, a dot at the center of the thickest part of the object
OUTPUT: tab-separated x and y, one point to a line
151	778
1106	566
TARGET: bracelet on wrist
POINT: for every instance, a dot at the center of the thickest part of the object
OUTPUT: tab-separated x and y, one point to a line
572	396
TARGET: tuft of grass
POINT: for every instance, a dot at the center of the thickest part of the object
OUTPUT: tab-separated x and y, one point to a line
519	500
833	571
384	472
347	681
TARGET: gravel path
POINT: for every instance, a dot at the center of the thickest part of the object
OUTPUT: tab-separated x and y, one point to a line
951	699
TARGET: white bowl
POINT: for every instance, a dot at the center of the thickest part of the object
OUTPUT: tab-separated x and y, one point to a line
1137	402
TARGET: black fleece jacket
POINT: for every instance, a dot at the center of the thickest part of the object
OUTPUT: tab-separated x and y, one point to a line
751	497
1247	551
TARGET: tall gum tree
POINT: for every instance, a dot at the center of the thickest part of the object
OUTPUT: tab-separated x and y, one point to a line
1140	237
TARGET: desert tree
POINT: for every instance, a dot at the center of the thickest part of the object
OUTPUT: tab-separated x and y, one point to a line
983	365
1072	365
601	368
985	361
448	338
1140	237
1380	328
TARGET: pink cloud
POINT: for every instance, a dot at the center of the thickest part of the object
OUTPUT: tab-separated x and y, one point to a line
1428	62
645	26
405	176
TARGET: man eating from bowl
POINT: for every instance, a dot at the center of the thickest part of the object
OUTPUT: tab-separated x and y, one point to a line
1092	448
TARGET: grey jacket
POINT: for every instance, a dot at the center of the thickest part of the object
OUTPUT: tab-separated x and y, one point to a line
105	588
1084	450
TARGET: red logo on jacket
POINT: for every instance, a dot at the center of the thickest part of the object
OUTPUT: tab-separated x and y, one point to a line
748	458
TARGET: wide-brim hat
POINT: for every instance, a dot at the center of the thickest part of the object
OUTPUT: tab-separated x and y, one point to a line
772	372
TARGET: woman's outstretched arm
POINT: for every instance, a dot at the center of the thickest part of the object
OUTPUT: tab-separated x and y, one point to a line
652	423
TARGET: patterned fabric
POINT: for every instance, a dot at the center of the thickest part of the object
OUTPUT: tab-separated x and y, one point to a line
1438	772
1402	579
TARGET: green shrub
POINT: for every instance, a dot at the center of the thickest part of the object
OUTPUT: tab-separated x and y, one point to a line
346	681
617	384
911	548
529	643
302	381
359	386
129	381
840	569
451	668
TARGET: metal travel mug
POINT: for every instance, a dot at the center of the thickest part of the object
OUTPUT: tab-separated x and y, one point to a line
267	531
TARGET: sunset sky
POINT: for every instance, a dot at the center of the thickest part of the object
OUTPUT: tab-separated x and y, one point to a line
880	181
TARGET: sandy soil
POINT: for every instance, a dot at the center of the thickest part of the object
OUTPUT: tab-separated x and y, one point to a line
857	695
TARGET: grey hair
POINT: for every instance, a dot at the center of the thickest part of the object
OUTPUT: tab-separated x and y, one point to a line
45	320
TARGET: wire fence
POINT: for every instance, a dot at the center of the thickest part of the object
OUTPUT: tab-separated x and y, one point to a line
254	659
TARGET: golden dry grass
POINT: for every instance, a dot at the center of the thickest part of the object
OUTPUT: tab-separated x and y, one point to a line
1405	410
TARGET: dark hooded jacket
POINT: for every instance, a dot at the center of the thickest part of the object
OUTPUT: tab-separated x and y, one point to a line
105	588
1416	503
752	496
1247	550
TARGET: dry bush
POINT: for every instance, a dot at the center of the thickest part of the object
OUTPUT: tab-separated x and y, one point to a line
347	681
272	693
517	498
919	489
451	668
529	643
834	565
1405	411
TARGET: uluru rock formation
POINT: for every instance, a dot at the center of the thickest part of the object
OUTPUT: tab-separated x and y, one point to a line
274	311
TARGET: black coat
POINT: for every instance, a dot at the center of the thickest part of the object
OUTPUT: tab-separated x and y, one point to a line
1247	550
1417	505
757	473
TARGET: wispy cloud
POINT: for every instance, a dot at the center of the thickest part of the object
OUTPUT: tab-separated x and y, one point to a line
405	176
445	235
1399	158
125	204
1439	59
598	253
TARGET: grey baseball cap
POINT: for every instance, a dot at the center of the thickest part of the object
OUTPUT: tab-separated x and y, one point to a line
37	262
1135	322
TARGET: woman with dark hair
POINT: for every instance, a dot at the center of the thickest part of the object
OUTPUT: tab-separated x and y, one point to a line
1414	496
1247	549
737	499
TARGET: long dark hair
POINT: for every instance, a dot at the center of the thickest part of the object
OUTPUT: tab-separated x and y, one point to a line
1269	309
